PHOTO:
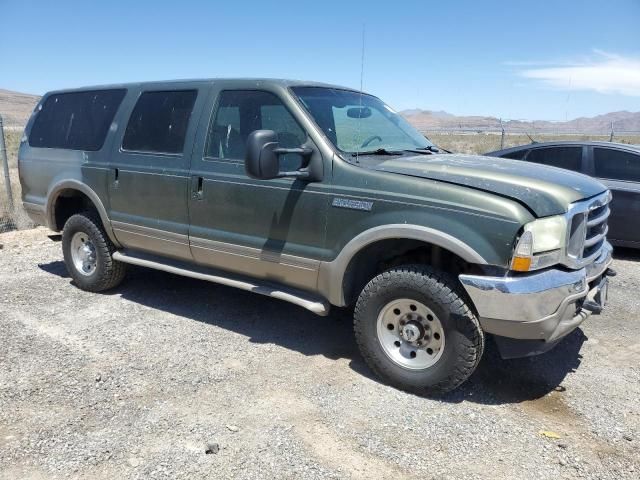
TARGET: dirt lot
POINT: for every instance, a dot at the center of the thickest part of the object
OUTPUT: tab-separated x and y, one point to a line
135	383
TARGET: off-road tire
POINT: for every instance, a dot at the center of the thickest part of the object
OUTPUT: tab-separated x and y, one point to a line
440	292
108	272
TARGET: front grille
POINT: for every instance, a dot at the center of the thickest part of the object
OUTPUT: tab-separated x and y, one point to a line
596	230
588	232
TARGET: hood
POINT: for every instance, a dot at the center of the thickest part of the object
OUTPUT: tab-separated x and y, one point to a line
544	190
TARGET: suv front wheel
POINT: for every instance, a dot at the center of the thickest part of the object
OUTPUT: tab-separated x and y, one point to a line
415	330
88	254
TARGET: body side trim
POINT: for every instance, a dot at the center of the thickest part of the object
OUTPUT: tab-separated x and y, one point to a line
255	253
34	207
36	212
150	232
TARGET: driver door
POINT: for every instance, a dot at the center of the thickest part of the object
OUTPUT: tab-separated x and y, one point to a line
272	229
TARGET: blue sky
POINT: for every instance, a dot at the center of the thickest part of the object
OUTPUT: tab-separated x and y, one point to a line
513	59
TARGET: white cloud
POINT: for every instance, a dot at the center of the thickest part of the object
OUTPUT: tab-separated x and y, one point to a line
606	73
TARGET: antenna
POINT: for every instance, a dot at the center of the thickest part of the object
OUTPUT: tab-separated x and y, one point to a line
566	102
532	140
361	86
362	60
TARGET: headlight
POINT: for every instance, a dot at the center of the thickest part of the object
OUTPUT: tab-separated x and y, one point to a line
541	244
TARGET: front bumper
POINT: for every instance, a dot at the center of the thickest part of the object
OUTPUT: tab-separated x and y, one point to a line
542	306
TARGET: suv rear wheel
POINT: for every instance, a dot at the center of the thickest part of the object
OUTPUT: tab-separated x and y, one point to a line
415	330
88	254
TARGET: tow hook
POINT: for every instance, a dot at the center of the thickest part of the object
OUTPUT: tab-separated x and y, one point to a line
610	272
594	307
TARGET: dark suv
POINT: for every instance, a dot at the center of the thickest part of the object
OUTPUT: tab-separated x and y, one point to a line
616	165
320	195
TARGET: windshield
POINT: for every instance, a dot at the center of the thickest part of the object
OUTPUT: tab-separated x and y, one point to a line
359	123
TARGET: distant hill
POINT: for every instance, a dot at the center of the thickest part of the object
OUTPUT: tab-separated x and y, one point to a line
426	120
16	108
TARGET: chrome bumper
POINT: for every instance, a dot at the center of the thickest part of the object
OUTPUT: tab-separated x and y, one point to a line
537	306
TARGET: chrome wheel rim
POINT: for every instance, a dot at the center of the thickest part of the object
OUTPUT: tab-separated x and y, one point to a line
410	334
83	254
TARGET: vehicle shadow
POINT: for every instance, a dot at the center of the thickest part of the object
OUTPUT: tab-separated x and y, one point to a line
265	320
56	268
497	381
624	253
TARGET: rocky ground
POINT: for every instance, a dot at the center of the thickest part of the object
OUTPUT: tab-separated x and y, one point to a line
168	377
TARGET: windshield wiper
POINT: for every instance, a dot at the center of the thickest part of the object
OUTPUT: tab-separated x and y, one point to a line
434	149
419	150
428	148
379	151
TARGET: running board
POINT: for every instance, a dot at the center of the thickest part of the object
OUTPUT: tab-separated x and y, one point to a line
297	297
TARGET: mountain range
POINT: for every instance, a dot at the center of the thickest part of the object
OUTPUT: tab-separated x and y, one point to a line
426	120
16	108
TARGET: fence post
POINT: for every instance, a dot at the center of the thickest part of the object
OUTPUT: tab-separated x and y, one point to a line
5	166
502	135
611	137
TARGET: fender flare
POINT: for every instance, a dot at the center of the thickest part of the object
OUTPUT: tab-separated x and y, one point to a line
70	184
332	273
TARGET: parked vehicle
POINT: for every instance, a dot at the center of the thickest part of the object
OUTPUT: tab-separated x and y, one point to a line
320	195
616	165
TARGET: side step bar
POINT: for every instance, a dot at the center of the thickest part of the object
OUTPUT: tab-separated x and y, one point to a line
303	299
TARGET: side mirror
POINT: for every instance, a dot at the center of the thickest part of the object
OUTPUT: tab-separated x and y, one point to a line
262	156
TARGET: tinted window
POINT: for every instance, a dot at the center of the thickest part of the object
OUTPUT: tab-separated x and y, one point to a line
616	164
240	112
75	121
517	155
562	157
159	122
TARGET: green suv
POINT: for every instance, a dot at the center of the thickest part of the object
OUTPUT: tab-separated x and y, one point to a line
320	195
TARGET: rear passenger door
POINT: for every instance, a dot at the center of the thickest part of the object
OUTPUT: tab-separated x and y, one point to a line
619	170
149	170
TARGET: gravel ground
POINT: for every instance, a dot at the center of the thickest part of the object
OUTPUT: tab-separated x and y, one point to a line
140	382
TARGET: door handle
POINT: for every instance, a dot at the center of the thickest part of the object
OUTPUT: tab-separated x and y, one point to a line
116	176
196	187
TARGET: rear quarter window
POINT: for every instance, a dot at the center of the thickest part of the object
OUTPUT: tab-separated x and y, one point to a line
75	120
616	164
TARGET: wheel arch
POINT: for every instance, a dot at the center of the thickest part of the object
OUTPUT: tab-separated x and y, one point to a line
74	188
336	280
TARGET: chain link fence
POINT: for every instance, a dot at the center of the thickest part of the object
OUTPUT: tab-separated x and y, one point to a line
481	141
12	215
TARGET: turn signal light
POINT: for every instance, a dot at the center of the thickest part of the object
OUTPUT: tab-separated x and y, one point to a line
521	264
